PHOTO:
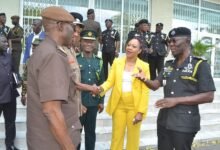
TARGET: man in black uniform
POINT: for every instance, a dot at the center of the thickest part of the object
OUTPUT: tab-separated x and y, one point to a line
8	94
133	32
110	45
15	36
3	28
187	83
159	51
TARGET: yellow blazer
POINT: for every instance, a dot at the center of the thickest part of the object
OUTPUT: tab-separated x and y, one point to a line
140	91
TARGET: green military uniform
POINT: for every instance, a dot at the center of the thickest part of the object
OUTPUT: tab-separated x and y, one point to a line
91	69
16	33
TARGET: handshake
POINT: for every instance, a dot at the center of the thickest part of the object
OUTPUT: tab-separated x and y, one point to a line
94	89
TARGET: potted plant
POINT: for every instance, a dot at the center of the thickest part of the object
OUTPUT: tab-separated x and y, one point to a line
199	48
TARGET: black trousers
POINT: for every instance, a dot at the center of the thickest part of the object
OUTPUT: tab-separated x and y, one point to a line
88	121
169	139
9	113
156	65
107	58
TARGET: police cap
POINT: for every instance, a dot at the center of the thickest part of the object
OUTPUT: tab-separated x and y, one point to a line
143	21
57	13
110	20
90	11
159	24
78	19
180	31
88	34
2	14
15	17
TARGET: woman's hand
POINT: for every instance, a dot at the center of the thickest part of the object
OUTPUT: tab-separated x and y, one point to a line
138	118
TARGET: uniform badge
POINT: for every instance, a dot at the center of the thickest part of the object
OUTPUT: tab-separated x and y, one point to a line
173	33
89	33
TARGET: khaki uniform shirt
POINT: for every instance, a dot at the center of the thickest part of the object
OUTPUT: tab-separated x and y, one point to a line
49	78
75	74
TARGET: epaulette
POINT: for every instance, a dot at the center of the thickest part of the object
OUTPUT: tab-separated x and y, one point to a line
61	50
170	60
97	57
78	54
199	58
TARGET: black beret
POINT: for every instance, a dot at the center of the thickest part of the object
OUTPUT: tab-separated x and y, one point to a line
90	11
88	34
77	16
180	31
143	21
159	24
108	20
2	14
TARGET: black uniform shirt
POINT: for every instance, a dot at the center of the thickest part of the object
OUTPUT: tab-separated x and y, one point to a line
192	77
158	44
109	37
4	31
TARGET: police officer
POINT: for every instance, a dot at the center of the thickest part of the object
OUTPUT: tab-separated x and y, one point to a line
133	32
159	51
110	45
91	24
8	94
91	73
15	36
3	28
187	83
78	27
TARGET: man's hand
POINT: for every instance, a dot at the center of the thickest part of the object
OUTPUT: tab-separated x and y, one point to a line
83	109
95	90
23	100
138	118
100	108
166	103
140	75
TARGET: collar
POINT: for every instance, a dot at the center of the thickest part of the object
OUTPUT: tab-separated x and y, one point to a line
186	61
93	55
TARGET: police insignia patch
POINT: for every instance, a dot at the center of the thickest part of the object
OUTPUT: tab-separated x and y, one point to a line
89	33
173	32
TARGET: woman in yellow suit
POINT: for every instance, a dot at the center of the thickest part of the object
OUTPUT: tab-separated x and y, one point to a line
128	102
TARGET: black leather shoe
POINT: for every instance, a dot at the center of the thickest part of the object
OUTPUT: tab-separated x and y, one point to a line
12	147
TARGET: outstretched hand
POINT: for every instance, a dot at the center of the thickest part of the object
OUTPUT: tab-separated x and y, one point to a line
140	75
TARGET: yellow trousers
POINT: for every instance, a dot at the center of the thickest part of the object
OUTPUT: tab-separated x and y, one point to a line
122	119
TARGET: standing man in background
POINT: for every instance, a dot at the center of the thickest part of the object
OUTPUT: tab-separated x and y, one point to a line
37	34
15	36
91	68
4	30
91	24
159	51
110	45
8	94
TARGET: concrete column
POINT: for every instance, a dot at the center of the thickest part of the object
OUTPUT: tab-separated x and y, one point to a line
161	11
10	8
